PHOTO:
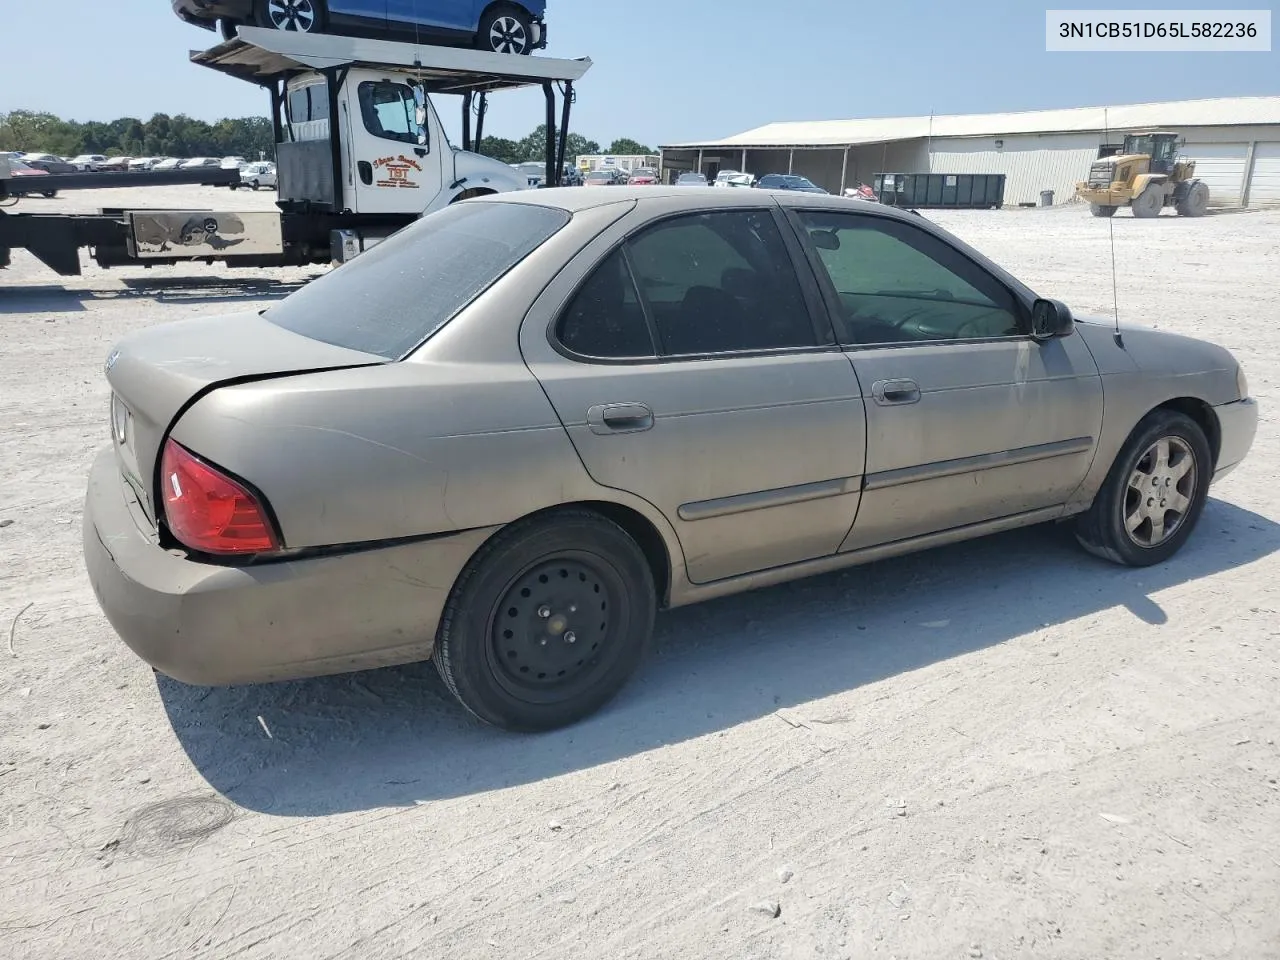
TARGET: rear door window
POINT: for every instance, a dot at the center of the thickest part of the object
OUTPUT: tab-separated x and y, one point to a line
720	283
389	300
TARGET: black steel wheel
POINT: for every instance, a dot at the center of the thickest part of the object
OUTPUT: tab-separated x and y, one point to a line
300	16
547	622
1153	495
505	29
1102	210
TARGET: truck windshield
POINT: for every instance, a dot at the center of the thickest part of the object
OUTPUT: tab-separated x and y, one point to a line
392	298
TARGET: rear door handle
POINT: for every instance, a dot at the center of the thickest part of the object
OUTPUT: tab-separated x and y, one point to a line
606	418
889	393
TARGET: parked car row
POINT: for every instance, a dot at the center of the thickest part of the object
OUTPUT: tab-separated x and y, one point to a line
98	163
735	178
260	174
616	177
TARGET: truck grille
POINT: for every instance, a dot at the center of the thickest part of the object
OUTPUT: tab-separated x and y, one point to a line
1100	175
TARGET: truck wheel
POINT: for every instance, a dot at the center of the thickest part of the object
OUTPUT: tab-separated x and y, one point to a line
301	16
1102	210
49	194
227	28
1196	202
547	622
1148	203
505	29
1153	495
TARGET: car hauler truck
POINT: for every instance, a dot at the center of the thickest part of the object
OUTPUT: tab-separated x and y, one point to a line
360	153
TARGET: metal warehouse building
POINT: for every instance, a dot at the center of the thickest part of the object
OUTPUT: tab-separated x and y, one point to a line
1235	142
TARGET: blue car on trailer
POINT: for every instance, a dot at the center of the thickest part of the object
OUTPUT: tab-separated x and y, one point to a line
500	26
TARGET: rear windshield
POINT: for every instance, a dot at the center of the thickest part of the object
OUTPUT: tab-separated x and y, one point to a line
389	300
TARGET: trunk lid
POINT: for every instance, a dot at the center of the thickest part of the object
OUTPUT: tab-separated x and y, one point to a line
157	373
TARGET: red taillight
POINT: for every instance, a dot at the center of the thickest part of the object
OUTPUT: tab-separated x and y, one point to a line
207	510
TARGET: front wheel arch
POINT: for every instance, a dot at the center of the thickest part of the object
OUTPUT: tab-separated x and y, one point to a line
1204	417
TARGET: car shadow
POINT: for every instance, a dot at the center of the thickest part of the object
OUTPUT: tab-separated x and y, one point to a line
395	737
52	298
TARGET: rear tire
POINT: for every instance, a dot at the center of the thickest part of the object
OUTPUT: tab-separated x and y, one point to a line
1134	520
227	28
49	194
1102	210
547	622
1196	202
505	29
293	16
1149	203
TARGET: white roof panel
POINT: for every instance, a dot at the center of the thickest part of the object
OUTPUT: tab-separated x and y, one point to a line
1219	112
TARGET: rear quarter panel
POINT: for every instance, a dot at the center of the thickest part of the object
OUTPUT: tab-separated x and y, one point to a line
458	436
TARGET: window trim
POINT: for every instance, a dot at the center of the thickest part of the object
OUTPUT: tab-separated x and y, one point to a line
832	298
811	292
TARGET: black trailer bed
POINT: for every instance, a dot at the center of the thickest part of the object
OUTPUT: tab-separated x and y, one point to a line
205	176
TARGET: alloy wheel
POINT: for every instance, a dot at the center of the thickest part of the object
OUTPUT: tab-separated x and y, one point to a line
297	15
508	35
1160	492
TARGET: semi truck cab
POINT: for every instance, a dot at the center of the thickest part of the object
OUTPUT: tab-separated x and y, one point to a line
396	156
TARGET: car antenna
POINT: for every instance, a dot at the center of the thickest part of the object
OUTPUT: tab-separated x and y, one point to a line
1111	230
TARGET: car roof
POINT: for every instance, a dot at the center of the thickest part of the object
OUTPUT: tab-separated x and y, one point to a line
573	199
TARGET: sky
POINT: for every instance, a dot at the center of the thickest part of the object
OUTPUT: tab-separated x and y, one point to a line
664	71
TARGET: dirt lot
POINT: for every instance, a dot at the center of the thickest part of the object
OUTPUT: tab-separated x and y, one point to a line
1001	749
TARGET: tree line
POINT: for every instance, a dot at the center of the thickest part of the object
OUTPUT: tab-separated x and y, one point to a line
161	136
182	136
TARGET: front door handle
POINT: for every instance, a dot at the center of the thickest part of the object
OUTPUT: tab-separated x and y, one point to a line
606	418
889	393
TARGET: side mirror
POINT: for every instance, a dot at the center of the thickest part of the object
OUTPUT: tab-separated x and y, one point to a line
1050	319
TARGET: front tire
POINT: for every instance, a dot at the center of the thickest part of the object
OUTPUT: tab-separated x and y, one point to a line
505	29
1154	494
1149	203
296	16
547	622
1102	210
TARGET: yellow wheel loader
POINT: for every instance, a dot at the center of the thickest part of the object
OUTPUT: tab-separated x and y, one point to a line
1146	176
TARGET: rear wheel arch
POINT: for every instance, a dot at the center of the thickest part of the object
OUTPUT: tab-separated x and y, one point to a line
634	523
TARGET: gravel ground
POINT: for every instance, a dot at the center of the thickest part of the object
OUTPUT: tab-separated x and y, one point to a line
1000	749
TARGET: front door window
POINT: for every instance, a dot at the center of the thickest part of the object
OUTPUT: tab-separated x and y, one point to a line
393	111
896	283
